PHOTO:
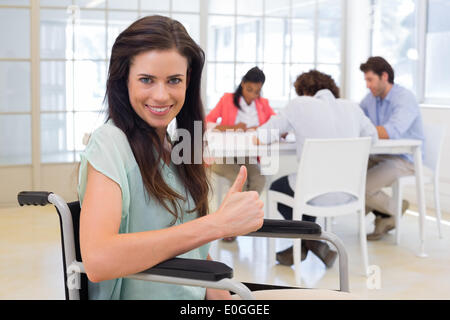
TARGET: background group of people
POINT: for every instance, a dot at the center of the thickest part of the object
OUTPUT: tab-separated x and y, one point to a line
389	111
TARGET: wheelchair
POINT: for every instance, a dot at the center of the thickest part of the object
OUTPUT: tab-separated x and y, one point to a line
191	272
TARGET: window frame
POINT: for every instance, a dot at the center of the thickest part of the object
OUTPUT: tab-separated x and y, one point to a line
35	59
421	19
32	105
75	111
290	19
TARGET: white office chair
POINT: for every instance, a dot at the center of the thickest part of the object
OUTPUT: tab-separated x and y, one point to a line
434	138
327	166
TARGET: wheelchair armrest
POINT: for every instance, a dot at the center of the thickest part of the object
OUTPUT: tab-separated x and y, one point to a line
195	272
28	198
196	269
306	230
274	228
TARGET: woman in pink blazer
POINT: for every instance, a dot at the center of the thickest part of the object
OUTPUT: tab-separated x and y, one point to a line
244	109
236	116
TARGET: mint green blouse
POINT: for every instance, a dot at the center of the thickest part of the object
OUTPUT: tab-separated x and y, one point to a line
109	152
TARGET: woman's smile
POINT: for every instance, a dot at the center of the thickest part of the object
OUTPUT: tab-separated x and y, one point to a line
158	110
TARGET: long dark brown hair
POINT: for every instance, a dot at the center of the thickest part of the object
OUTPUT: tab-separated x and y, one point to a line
159	33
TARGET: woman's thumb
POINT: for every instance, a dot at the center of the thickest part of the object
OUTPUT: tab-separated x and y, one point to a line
240	180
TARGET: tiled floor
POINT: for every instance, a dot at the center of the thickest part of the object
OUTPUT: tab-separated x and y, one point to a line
403	274
31	267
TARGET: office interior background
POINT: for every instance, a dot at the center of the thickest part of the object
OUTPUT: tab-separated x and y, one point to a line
54	57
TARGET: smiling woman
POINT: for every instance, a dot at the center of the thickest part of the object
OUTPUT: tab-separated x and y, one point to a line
157	86
137	207
147	56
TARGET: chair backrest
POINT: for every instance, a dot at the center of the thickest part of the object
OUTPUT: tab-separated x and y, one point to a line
434	140
333	167
75	211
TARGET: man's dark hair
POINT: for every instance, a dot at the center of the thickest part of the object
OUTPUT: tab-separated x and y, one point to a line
378	65
308	83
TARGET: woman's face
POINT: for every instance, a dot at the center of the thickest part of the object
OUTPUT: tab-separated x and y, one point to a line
251	90
157	84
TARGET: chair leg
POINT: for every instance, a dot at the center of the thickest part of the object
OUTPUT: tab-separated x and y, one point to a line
358	225
327	223
330	224
397	195
297	261
272	209
363	242
272	252
219	191
437	206
215	252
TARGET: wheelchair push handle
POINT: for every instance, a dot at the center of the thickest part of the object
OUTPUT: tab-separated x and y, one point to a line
28	198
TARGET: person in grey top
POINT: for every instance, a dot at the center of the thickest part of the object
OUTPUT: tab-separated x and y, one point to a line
316	113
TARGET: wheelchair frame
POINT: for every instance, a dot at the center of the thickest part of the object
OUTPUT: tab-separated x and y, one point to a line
191	272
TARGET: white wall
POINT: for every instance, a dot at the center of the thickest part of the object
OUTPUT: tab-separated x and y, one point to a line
438	116
13	180
58	178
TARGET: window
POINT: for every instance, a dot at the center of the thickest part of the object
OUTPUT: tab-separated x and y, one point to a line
73	63
75	45
76	37
394	38
437	80
414	36
284	38
15	83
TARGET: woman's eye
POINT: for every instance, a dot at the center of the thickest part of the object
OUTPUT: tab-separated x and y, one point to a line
175	81
144	80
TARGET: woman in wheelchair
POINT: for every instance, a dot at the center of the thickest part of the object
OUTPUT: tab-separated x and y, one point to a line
139	208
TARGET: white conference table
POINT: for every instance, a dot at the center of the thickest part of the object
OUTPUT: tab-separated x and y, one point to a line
230	145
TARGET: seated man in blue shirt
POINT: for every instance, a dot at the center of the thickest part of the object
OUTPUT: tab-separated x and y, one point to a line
396	114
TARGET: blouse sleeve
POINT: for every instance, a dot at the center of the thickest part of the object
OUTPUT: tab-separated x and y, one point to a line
109	153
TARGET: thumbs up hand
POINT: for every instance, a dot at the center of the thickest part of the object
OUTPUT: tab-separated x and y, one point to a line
240	212
239	181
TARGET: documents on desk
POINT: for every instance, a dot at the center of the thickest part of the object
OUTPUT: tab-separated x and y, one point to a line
235	146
